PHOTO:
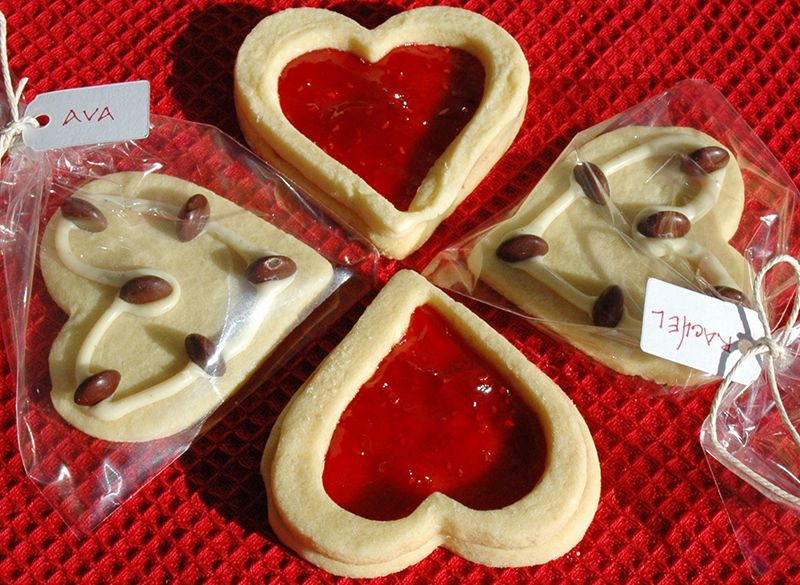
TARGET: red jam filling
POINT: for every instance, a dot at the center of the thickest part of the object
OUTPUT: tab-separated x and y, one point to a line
435	417
389	121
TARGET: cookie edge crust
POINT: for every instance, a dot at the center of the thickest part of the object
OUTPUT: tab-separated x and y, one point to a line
456	173
516	286
306	519
475	552
150	422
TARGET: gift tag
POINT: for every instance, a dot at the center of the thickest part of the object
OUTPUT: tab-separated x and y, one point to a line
89	115
698	330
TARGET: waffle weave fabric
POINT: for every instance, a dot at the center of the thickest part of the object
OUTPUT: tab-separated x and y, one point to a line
203	519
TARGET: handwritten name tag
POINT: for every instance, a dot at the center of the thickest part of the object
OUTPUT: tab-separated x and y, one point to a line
89	115
698	330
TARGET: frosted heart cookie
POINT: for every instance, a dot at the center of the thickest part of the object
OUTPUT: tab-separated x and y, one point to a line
426	428
633	203
390	127
175	296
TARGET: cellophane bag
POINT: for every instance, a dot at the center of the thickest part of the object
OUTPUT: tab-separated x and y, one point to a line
86	477
619	206
678	188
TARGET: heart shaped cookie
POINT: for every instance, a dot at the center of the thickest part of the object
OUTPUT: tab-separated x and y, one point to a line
175	296
633	203
390	127
426	428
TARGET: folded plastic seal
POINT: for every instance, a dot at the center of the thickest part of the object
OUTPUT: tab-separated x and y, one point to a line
753	428
151	285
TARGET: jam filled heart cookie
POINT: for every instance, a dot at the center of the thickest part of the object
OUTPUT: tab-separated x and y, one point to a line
633	203
174	295
392	127
426	428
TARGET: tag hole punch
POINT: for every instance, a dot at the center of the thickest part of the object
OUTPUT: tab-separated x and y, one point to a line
43	120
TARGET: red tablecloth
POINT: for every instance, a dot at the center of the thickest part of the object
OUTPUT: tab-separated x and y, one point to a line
661	518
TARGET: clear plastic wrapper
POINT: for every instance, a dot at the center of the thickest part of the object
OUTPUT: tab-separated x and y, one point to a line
584	228
677	188
224	256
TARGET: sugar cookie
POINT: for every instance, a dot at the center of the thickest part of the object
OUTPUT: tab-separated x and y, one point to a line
632	203
174	295
345	147
318	452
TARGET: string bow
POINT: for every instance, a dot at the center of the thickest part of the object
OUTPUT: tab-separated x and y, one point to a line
773	346
13	129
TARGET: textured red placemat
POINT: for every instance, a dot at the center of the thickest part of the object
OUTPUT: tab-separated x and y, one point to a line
660	518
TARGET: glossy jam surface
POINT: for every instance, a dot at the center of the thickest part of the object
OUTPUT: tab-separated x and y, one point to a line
388	121
435	417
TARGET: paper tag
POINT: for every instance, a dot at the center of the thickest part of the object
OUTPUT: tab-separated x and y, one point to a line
89	115
698	330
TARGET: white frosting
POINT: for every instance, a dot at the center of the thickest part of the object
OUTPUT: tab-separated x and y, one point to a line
705	199
243	319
